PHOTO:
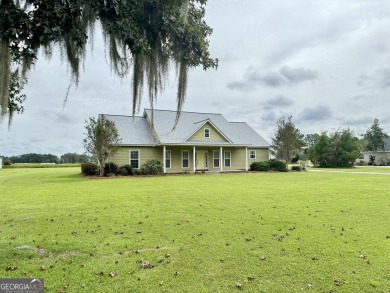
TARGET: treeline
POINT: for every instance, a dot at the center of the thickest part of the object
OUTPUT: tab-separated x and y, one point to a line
340	148
67	158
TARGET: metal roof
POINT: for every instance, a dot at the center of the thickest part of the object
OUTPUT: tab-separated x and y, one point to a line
139	130
133	130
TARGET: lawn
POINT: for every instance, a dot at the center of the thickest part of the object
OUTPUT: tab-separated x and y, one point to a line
364	169
269	232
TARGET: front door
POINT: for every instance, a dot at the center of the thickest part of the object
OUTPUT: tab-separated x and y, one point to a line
202	160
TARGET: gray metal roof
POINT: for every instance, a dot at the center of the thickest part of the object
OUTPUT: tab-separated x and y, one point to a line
140	132
133	130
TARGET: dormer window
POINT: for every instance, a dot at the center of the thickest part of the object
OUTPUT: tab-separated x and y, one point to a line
207	133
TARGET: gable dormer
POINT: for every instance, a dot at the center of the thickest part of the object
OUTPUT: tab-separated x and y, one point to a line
208	132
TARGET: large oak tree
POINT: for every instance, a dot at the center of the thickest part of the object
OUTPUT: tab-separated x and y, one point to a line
142	38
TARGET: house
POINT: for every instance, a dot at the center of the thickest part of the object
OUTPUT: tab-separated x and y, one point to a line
199	141
382	157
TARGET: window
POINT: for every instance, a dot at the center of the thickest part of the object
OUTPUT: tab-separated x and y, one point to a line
207	133
216	159
252	154
228	156
134	158
167	159
361	157
185	159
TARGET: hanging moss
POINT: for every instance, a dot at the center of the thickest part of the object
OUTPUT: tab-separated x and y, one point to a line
145	34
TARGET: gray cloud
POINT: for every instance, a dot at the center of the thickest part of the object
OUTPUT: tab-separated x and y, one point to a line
279	101
297	75
318	113
379	78
285	76
240	85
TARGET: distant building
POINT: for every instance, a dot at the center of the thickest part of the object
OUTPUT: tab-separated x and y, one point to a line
381	157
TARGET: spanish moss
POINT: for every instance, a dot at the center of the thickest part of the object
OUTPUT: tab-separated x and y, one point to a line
142	38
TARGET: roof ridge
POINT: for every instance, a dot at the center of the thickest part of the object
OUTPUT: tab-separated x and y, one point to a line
182	111
119	115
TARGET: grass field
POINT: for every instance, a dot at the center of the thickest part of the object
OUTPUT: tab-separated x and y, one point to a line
365	169
270	232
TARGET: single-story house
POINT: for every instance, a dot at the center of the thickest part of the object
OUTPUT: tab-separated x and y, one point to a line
382	157
199	141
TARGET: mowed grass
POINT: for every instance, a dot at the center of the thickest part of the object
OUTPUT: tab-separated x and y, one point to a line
270	232
365	169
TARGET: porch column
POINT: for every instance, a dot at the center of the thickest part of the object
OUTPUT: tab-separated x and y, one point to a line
194	157
164	159
246	159
221	159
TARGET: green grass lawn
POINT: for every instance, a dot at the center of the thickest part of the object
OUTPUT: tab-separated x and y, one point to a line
365	169
270	232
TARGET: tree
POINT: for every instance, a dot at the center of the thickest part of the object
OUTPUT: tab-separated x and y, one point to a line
101	140
311	139
142	38
287	141
75	158
35	158
15	98
374	138
339	149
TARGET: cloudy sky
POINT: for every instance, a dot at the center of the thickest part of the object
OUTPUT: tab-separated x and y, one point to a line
326	63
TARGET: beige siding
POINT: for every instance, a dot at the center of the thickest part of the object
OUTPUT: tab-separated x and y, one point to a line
214	134
156	153
261	155
176	161
122	157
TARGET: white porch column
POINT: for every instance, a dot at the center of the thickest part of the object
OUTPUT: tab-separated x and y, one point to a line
246	159
221	159
194	157
164	159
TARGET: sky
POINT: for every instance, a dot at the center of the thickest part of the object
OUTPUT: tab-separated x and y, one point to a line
326	63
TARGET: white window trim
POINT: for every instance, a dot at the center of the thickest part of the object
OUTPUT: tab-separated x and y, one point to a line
170	159
230	158
204	133
139	157
182	159
214	157
250	154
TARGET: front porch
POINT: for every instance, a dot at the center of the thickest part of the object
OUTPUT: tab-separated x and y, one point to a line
204	158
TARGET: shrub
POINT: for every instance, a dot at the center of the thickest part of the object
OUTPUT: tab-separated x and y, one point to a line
152	167
122	171
89	169
295	159
110	168
360	163
129	169
7	162
276	165
297	168
259	166
125	170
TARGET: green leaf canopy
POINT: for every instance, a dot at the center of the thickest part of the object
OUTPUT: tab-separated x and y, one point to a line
142	38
